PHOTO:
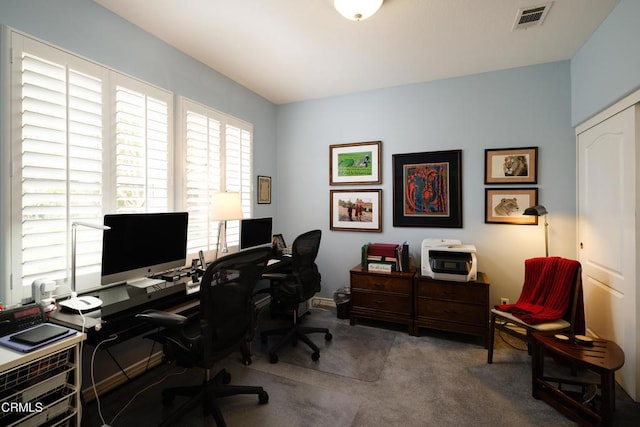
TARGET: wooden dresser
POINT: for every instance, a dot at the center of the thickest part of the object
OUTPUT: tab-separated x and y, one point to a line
453	306
382	296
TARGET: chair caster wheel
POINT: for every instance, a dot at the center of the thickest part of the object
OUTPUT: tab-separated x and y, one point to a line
263	397
315	356
328	336
273	358
226	378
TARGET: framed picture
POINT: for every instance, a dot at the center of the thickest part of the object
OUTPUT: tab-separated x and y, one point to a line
427	189
277	242
511	166
356	210
506	205
264	190
357	163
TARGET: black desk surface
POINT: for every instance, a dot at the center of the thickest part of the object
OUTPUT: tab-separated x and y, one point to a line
122	302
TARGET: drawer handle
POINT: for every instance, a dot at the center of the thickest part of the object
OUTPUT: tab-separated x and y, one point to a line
450	311
379	285
379	302
449	292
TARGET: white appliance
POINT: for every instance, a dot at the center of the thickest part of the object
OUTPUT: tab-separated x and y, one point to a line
449	259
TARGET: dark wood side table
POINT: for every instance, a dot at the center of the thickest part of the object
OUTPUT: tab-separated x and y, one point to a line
603	358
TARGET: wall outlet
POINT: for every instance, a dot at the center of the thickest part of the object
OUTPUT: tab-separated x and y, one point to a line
504	300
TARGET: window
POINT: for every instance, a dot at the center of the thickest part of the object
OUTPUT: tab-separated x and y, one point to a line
85	141
216	149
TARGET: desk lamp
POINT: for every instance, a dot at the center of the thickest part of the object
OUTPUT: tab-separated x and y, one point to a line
539	210
83	303
225	207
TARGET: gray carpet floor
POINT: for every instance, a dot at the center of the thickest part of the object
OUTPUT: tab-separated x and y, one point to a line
370	374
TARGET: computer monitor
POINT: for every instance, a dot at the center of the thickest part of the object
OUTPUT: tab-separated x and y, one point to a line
140	245
255	232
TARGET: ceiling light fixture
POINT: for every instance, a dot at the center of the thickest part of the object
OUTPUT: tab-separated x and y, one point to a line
357	10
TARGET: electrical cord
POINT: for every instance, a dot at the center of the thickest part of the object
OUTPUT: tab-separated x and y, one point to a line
93	380
145	389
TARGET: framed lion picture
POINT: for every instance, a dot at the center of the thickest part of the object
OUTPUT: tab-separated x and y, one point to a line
507	205
511	166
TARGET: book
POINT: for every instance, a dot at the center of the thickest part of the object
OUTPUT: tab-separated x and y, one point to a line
383	249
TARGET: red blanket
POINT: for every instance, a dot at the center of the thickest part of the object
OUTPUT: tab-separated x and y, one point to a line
546	292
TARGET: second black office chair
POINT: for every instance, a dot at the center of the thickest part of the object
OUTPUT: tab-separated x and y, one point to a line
295	288
225	322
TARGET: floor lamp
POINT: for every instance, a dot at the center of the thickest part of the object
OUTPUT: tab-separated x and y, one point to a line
225	207
83	303
539	210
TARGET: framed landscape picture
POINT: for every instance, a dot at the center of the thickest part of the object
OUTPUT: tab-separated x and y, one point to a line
427	189
357	163
356	210
511	166
264	189
506	205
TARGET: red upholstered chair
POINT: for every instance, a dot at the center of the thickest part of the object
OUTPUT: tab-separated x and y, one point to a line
550	301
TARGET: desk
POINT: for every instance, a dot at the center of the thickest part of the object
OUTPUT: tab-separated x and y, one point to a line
603	358
47	378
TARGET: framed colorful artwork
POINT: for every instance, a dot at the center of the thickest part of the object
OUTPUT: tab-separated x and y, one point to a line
507	205
356	210
511	166
427	189
357	163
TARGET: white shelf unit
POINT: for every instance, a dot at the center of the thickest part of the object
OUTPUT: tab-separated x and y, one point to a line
41	388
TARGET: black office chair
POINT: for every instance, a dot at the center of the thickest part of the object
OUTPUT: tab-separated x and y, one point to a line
225	323
294	288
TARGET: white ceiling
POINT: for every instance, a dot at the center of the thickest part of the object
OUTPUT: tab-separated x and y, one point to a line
294	50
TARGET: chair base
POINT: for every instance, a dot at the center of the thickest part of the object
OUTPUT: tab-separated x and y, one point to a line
293	335
206	394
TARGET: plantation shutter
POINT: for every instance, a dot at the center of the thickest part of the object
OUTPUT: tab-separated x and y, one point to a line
217	152
60	166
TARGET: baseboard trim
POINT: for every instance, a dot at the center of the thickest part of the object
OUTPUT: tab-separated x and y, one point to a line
322	302
120	378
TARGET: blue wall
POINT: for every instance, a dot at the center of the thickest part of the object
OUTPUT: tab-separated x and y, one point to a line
607	67
530	106
520	107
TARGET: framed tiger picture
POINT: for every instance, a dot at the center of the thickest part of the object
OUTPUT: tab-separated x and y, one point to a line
511	166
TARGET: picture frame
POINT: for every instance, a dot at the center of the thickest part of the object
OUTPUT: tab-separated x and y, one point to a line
427	189
355	163
356	210
506	205
511	165
277	242
264	190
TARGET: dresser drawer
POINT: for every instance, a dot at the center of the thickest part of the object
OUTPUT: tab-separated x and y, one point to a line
452	311
381	283
381	302
465	292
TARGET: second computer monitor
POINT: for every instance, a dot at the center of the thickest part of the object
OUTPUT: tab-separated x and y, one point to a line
255	232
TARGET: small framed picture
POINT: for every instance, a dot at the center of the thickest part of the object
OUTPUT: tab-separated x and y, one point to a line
277	242
357	163
264	190
511	166
506	205
356	210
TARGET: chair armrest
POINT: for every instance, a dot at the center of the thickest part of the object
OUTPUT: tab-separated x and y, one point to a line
275	276
162	318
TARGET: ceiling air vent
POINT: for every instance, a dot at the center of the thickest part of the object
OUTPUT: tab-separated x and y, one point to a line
531	16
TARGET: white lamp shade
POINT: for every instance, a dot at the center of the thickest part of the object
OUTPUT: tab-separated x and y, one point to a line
226	206
357	10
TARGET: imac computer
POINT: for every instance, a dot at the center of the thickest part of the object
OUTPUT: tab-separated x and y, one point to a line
255	232
142	245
